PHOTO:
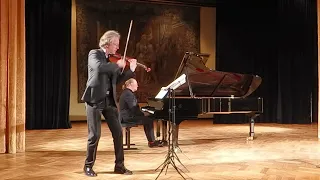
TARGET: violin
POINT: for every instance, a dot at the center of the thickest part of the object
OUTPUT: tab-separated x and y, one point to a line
116	57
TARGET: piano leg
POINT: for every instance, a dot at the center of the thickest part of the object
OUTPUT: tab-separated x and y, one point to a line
164	125
165	132
158	121
175	136
161	123
251	125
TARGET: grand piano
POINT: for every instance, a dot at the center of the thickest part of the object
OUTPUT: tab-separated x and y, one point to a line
208	92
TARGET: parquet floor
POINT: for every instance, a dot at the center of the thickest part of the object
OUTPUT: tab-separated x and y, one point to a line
209	151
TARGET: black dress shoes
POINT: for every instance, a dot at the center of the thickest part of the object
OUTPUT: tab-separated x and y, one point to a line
122	170
89	172
155	144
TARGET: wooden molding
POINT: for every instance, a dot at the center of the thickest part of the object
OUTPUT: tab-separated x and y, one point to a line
197	3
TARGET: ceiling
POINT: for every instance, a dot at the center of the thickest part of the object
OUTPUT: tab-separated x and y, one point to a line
199	3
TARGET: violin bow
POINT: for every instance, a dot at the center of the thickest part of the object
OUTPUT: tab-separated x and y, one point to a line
125	50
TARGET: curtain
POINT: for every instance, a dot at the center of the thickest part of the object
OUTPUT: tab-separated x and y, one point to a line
276	40
317	110
297	60
12	76
48	62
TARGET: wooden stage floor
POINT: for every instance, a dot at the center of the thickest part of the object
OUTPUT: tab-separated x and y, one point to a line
209	151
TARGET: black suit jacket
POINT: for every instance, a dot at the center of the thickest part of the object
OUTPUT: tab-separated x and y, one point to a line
103	76
129	107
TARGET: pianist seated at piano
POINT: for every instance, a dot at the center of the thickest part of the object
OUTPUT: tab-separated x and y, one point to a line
130	112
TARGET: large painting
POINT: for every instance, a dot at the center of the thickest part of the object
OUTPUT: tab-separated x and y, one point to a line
159	37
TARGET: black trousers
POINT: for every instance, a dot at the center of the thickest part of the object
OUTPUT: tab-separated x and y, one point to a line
110	113
147	126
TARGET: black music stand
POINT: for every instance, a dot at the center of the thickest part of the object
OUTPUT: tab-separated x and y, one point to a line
191	62
171	155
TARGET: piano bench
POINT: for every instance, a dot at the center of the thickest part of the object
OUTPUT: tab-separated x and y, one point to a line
128	126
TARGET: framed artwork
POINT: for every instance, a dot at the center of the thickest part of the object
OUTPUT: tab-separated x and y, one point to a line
159	37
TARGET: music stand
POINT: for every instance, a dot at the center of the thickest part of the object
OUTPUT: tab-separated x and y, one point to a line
190	62
171	155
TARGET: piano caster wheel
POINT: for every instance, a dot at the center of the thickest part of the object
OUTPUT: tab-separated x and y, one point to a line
250	138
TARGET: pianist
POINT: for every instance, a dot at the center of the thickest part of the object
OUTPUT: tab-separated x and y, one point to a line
130	112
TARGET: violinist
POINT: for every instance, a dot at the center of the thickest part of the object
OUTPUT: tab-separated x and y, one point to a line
100	98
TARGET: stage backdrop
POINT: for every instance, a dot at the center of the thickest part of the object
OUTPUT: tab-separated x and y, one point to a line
160	36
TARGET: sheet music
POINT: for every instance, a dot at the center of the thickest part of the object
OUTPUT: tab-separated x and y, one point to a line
178	82
174	85
163	92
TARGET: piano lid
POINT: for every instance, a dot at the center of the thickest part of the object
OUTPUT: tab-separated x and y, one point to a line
210	83
193	62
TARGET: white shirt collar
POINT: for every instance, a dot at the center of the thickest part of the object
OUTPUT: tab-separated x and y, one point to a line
105	52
